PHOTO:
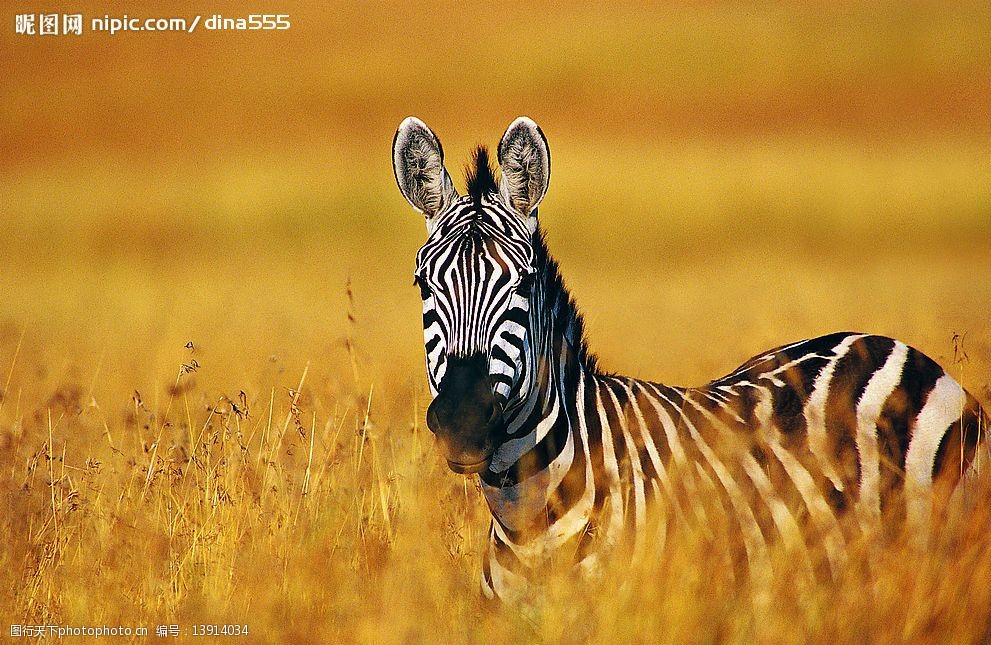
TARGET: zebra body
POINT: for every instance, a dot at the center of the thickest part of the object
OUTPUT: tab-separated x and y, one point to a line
806	445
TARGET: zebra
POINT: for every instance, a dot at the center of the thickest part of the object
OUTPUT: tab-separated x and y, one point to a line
574	461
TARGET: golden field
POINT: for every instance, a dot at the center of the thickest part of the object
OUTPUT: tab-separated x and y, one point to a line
210	350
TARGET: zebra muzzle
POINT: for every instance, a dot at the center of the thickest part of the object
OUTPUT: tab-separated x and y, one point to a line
466	416
466	444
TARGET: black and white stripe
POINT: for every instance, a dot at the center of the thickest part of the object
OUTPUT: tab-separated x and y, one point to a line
807	445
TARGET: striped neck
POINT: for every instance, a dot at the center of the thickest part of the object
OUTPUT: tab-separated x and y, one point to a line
543	427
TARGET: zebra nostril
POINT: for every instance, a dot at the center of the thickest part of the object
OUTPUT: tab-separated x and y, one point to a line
495	414
433	421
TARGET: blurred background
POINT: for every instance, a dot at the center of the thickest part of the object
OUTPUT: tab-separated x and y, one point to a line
211	360
726	177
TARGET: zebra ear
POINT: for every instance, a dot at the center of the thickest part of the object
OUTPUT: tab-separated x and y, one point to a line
418	162
525	161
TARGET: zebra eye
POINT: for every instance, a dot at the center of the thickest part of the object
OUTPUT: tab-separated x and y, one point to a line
526	285
424	289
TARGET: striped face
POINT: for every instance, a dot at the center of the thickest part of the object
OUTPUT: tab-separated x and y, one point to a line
477	278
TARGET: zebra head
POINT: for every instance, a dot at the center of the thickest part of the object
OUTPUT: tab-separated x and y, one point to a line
477	274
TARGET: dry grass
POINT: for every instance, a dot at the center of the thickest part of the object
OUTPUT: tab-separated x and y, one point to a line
285	479
314	507
726	179
311	506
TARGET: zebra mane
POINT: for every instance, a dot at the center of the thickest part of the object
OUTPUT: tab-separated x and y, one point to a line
565	312
480	175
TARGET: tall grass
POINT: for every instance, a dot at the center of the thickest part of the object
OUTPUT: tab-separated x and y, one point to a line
309	507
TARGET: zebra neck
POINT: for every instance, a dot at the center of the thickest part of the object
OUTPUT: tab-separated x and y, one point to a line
528	469
542	471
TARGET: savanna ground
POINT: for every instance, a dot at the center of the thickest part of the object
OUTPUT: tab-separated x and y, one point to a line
210	352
